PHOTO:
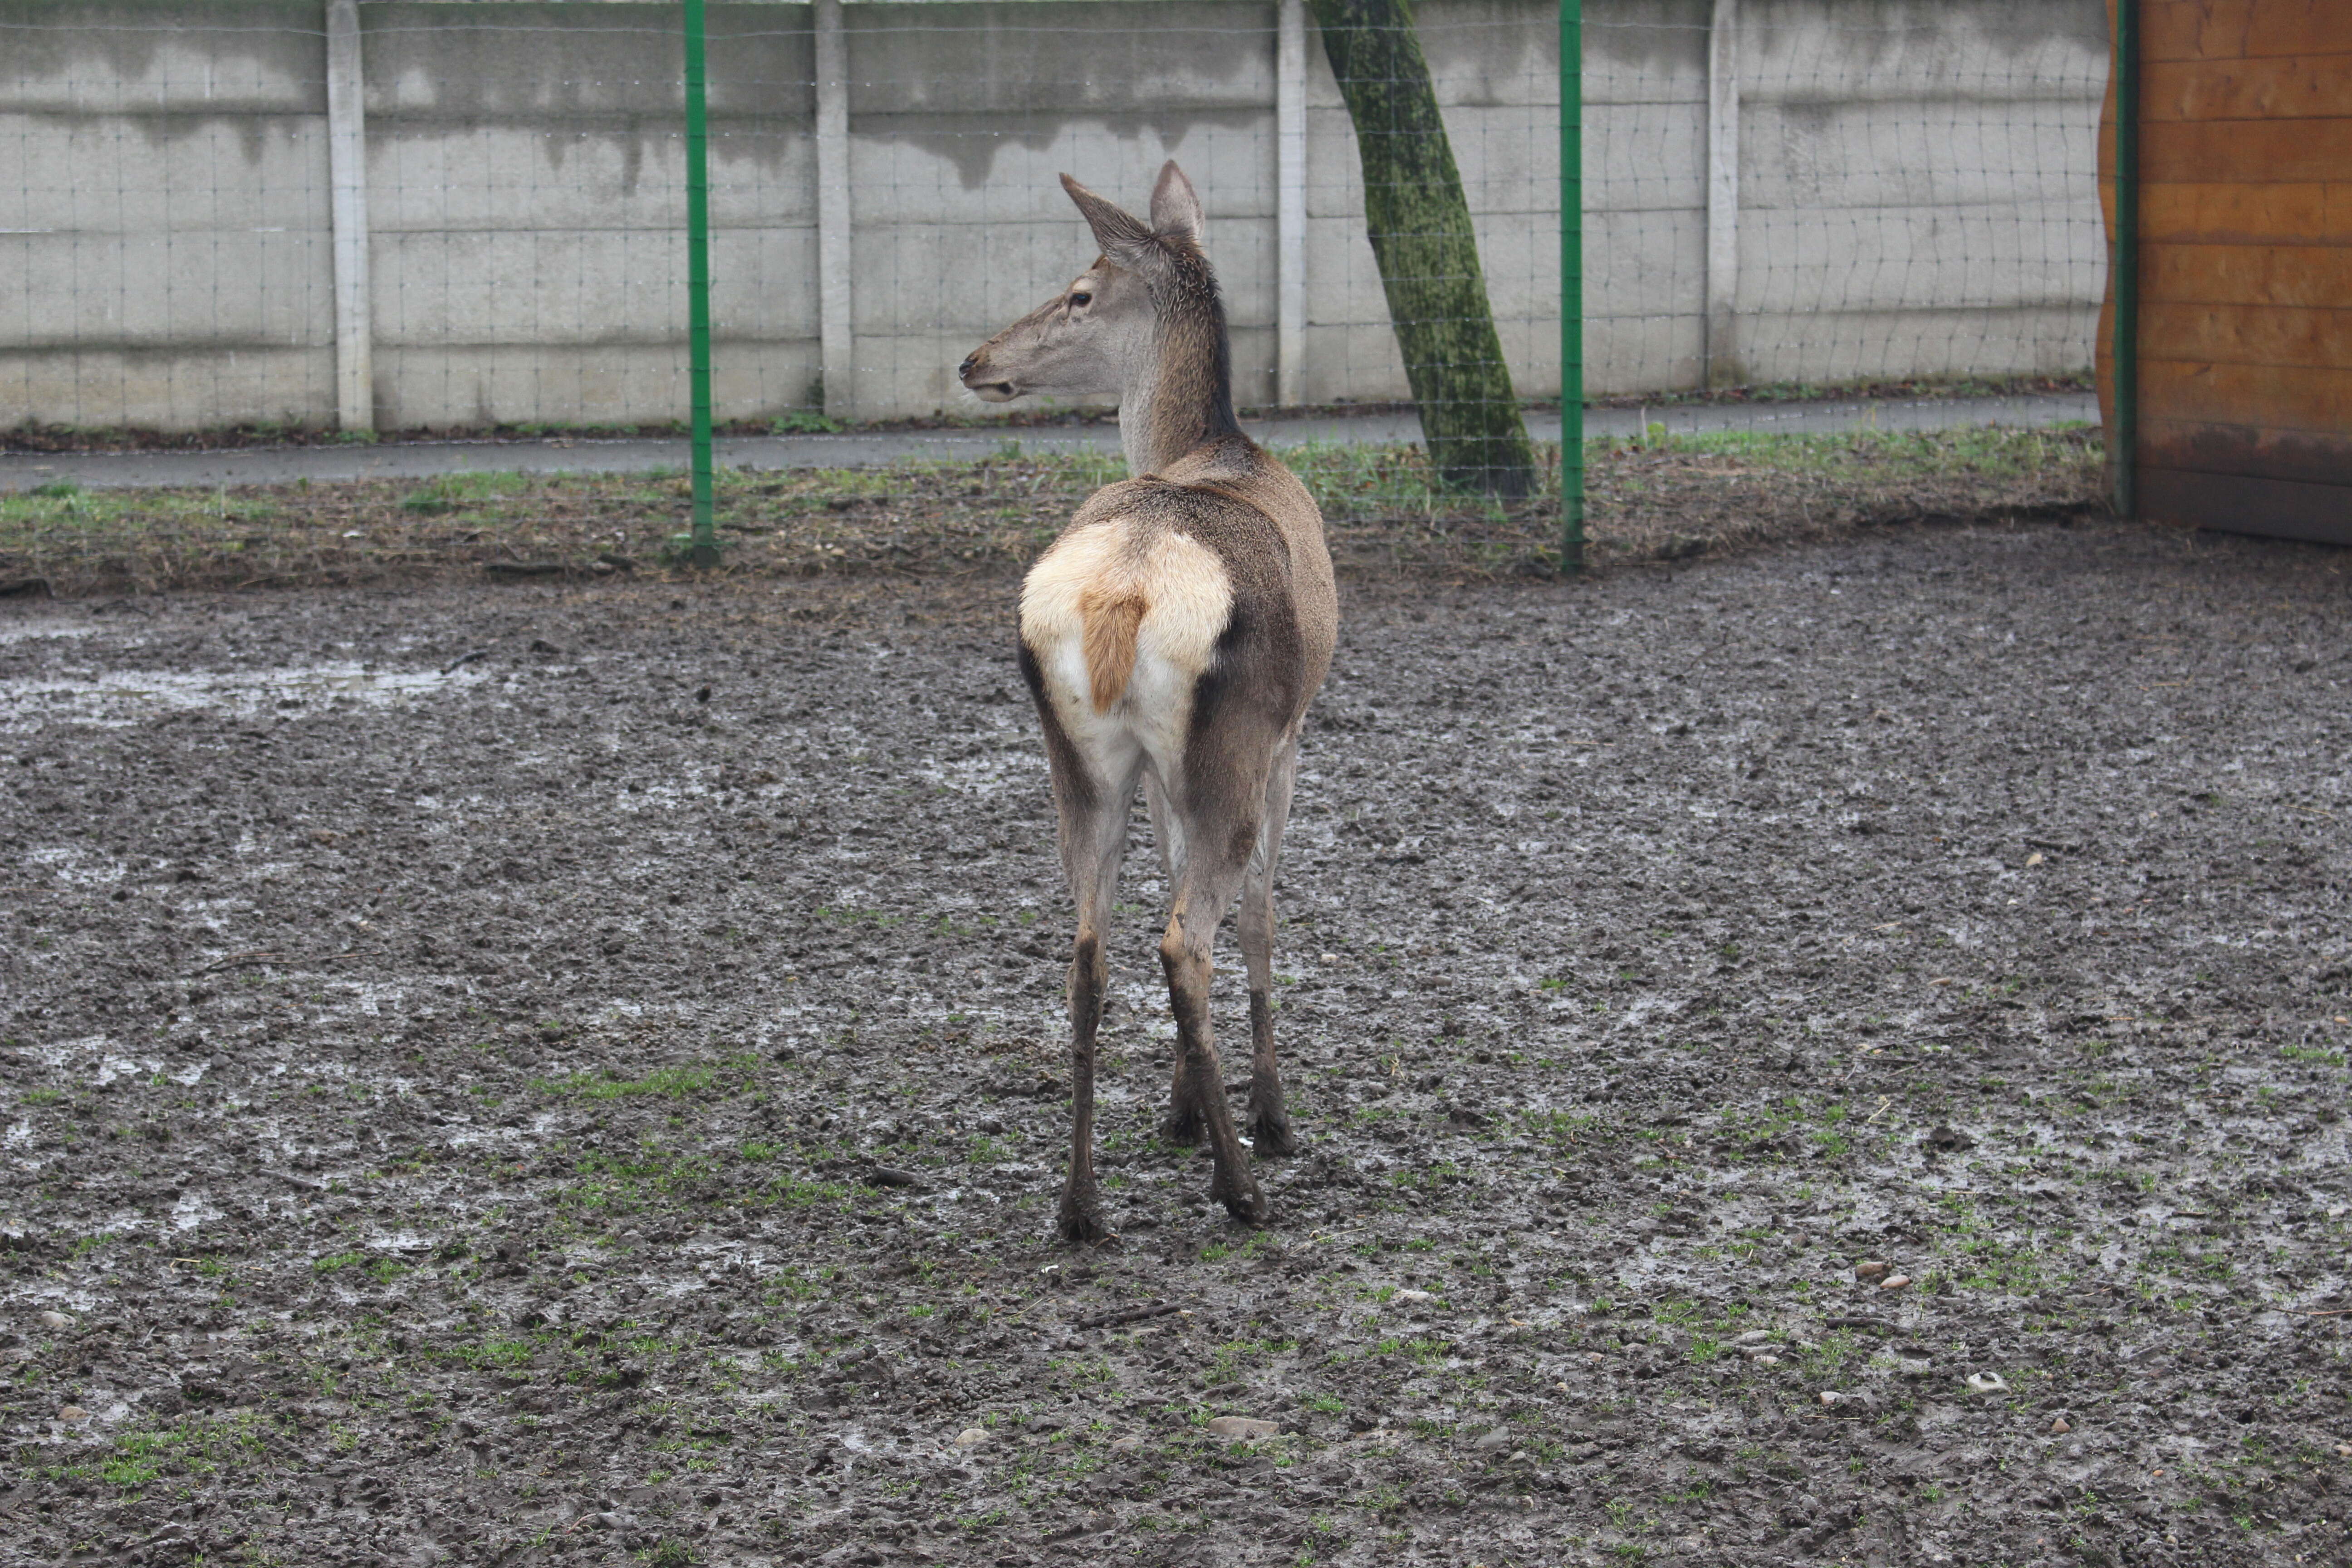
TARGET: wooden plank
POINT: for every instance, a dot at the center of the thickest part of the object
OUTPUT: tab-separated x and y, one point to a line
2315	400
2206	448
2260	151
2303	88
2235	29
2247	334
2274	508
2286	28
2191	29
2221	213
2307	277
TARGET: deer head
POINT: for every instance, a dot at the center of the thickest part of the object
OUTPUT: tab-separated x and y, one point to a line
1148	307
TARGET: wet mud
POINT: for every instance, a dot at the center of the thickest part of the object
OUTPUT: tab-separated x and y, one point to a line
1833	1054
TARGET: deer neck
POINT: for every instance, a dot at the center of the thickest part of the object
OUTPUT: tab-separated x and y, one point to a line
1177	396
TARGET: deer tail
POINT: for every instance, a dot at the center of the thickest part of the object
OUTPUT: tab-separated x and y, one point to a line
1110	618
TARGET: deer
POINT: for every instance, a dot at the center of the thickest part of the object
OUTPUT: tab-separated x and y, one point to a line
1171	638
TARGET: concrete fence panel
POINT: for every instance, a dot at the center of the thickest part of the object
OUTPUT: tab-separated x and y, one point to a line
1910	190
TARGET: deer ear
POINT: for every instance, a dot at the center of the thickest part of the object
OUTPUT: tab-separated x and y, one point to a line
1176	206
1124	238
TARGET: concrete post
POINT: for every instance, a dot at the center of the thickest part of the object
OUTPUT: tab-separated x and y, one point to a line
347	185
834	256
1290	201
1723	367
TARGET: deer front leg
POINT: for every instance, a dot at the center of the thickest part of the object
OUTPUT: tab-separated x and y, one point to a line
1183	1122
1269	1123
1184	954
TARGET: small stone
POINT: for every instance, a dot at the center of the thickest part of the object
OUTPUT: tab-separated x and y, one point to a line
72	1412
1764	1360
1755	1337
1868	1270
1411	1297
1329	958
1244	1428
55	1321
2060	1425
1831	1396
1986	1381
1895	1282
1127	1445
971	1437
2035	858
1493	1440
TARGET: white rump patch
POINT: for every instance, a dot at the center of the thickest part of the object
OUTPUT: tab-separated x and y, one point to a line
1188	599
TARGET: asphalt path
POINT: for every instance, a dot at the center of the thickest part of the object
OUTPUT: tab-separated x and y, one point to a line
21	471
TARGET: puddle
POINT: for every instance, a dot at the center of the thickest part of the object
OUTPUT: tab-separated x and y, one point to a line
191	1211
119	697
110	1067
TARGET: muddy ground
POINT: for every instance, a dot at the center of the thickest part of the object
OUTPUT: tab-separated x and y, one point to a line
1835	1054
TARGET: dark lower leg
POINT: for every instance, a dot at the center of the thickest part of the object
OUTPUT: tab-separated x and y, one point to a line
1183	1122
1188	996
1081	1216
1269	1123
1269	1126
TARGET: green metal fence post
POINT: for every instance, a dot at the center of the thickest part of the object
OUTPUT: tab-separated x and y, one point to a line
1571	285
697	279
2123	354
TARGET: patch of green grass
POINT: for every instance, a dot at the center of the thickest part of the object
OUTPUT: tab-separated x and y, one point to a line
802	1192
671	1082
456	492
627	1181
497	1352
197	1446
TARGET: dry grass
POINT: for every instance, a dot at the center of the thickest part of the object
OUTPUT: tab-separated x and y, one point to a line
1666	499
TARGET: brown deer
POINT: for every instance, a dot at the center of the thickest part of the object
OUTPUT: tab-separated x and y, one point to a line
1173	637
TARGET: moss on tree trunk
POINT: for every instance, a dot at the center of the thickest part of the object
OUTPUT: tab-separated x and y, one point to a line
1428	254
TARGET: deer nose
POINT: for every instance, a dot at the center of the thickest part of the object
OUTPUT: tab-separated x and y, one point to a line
963	370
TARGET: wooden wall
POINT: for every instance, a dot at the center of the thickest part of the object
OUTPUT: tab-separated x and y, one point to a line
2245	266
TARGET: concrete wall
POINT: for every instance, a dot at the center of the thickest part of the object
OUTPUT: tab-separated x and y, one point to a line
1915	192
165	252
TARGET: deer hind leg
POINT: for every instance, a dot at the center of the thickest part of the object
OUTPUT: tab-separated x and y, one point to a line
1212	874
1094	841
1269	1123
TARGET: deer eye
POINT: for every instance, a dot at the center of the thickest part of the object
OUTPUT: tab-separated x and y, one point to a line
1080	297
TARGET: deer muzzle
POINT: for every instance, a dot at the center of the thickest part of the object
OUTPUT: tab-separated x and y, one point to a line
975	376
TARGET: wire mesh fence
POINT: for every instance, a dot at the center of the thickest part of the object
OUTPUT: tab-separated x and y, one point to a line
363	220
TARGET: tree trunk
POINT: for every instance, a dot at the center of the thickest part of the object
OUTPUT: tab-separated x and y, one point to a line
1421	234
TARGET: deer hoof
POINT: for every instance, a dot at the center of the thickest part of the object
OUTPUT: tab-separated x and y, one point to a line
1081	1223
1242	1198
1272	1135
1181	1127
